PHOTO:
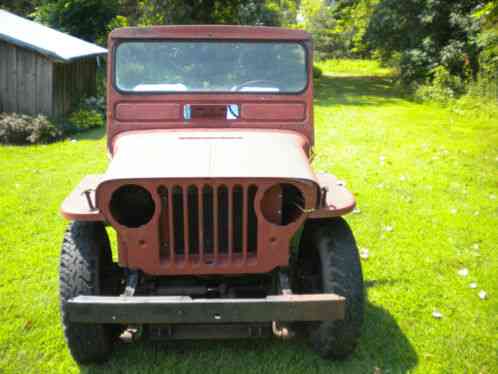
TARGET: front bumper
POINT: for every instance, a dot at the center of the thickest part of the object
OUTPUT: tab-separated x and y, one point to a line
185	310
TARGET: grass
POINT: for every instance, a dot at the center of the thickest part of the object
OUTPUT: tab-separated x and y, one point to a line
353	68
427	173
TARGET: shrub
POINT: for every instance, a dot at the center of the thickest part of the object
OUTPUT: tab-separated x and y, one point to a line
444	87
88	115
317	72
23	129
84	119
94	103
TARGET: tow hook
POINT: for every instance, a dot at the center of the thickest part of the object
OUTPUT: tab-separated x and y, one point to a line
131	283
282	332
132	332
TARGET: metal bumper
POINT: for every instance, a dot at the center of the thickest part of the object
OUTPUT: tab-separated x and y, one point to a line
185	310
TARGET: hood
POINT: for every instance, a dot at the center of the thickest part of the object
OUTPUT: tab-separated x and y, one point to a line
210	154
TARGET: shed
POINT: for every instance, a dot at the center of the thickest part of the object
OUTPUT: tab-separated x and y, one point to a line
42	70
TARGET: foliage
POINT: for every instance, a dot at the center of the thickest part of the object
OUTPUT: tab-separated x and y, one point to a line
475	107
87	19
487	13
254	12
20	7
426	33
338	29
84	119
486	83
114	23
96	103
443	88
327	41
90	114
317	72
23	129
94	19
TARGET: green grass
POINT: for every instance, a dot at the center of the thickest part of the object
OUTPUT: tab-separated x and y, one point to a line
356	68
427	172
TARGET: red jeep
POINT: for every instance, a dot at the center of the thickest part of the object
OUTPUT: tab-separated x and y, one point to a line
223	228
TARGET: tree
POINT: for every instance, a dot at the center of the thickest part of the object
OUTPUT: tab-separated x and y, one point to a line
426	34
22	8
254	12
86	19
338	27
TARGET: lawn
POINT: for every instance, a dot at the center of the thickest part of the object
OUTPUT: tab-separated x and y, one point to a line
426	184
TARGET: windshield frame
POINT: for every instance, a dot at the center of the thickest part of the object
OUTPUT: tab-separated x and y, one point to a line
303	43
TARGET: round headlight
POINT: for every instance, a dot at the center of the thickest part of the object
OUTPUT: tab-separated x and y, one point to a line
132	205
282	204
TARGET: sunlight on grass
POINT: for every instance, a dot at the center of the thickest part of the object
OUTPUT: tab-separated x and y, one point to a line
426	184
354	68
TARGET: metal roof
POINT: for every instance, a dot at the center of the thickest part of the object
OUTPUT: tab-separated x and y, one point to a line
52	43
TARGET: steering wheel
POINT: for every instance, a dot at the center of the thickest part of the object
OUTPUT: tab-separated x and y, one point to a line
266	82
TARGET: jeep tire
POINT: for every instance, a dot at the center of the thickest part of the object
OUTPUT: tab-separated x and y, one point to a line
329	263
85	259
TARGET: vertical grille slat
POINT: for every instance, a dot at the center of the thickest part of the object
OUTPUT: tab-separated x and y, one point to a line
186	236
171	228
164	224
200	204
207	218
192	221
230	226
252	220
205	223
215	223
179	222
222	219
237	218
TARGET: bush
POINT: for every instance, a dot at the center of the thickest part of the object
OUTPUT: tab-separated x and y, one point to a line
89	114
444	87
84	119
23	129
94	103
317	72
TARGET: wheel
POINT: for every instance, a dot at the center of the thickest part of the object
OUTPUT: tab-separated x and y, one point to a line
328	262
86	268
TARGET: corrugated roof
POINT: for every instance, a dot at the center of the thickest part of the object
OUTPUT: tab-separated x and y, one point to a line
50	42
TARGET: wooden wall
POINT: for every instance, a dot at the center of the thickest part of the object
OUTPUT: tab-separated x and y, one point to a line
25	81
31	83
72	82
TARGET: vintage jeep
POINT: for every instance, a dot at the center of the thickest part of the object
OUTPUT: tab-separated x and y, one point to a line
223	229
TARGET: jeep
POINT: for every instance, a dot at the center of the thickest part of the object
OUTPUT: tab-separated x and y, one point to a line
223	229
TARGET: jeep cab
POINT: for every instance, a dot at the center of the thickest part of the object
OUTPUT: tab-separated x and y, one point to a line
223	228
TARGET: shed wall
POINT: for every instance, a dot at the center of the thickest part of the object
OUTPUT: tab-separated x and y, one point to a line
25	81
72	82
31	83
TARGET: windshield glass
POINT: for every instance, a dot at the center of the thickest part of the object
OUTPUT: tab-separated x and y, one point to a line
217	66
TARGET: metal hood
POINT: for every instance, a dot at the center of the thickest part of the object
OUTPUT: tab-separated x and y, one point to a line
213	153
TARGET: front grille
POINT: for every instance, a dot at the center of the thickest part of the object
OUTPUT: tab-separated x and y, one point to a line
207	223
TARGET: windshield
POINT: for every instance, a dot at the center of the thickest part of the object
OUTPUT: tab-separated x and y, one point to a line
172	66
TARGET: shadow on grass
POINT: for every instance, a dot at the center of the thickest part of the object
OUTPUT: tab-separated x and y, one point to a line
358	91
382	345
